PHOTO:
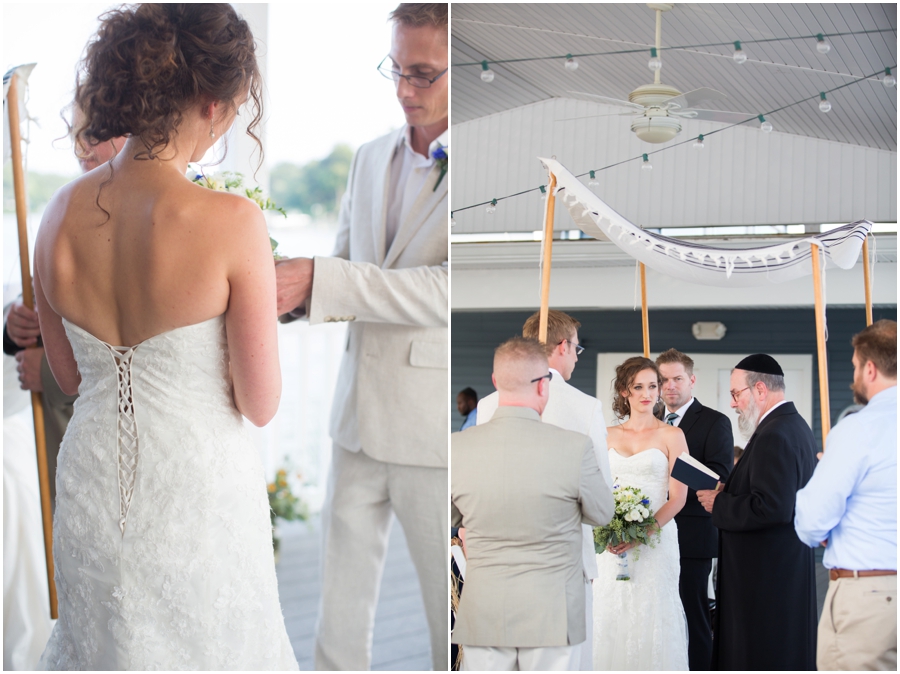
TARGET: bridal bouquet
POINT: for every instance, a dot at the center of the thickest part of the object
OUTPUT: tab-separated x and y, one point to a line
631	522
284	504
234	183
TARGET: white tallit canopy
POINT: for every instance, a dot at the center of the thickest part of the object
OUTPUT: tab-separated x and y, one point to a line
22	72
697	263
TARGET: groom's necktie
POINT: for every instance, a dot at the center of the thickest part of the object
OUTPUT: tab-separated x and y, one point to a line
670	418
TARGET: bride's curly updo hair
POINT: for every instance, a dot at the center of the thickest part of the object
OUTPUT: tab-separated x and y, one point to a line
625	375
149	63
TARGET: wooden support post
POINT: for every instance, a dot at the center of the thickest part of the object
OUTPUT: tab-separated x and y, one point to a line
548	260
645	321
820	342
15	133
867	280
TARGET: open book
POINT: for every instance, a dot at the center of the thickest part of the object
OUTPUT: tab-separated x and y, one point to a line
693	473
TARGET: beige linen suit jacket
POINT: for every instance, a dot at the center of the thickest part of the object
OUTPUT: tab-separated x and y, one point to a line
391	394
572	410
522	489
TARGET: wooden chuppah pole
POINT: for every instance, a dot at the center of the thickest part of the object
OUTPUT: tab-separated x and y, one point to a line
820	342
15	135
645	319
548	259
867	280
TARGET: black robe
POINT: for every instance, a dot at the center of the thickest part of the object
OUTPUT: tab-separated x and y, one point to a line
766	589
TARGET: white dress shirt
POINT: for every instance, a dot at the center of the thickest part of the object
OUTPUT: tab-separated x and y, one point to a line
680	412
409	172
851	499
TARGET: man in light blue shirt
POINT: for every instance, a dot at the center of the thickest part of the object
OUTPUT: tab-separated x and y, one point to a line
850	505
467	405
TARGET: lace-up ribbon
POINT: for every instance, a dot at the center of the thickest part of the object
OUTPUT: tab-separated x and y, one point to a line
127	431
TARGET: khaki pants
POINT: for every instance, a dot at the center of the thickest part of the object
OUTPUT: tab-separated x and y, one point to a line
858	629
549	658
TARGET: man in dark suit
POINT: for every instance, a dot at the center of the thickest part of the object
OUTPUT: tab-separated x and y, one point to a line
710	441
766	588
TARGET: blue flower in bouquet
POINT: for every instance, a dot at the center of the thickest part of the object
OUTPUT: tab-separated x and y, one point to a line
439	154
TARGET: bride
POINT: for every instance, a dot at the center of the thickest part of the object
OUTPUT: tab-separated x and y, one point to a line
156	300
639	624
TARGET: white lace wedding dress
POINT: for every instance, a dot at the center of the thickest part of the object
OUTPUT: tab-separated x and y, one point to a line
639	624
161	538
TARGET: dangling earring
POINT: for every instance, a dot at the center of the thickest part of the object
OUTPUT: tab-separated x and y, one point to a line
212	133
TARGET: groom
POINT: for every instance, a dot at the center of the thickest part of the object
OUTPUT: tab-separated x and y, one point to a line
388	279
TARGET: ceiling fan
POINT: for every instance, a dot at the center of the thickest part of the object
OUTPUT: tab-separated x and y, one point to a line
659	108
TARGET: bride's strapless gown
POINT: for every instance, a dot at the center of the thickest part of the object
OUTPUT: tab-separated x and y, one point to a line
639	624
161	537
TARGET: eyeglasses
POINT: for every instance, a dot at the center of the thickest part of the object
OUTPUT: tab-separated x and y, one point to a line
735	394
417	81
548	377
578	348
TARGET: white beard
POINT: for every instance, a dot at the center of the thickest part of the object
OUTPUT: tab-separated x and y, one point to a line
748	420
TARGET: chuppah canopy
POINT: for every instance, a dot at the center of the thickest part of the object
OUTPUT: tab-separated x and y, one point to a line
698	263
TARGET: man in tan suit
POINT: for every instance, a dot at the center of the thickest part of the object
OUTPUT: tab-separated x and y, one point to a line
522	488
389	425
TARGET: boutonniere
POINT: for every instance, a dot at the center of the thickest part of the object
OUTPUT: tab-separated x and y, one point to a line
440	156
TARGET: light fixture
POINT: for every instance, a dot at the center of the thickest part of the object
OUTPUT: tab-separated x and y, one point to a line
708	330
655	62
571	63
593	181
824	104
822	45
698	144
452	221
764	126
655	127
543	189
491	207
889	80
487	75
739	55
646	165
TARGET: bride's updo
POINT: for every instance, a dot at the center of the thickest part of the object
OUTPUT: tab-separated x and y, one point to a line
149	63
625	375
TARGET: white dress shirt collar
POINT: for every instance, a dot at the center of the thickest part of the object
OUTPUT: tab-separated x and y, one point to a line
680	412
769	411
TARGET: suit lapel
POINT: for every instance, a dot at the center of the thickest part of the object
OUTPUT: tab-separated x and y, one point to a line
786	408
690	416
380	204
425	204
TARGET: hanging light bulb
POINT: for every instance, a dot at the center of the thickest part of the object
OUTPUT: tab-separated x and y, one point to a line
646	165
764	126
739	55
491	207
452	221
822	45
824	104
487	75
889	80
698	144
571	63
593	181
543	189
655	62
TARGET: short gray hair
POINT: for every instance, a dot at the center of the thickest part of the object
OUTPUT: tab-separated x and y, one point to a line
773	382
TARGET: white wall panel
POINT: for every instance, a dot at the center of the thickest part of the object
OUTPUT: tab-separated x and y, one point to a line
741	177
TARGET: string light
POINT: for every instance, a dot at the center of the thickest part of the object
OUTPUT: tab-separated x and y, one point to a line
824	104
822	45
543	193
492	207
593	182
889	80
452	221
646	165
487	75
739	55
655	62
571	63
698	144
764	126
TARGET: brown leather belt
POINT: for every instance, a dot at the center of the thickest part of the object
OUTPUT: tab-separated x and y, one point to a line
834	574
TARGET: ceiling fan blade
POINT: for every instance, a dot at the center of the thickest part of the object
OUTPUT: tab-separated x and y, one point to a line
714	115
611	114
692	98
609	101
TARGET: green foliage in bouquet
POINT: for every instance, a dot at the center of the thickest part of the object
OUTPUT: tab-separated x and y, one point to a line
283	502
632	521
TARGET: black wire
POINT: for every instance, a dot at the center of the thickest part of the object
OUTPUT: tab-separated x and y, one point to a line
689	46
669	147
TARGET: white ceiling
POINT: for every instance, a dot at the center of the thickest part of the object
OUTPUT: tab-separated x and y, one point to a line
776	73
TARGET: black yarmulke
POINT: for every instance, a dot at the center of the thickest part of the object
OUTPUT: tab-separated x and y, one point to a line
761	363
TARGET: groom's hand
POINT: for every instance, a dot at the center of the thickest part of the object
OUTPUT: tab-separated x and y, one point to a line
293	278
